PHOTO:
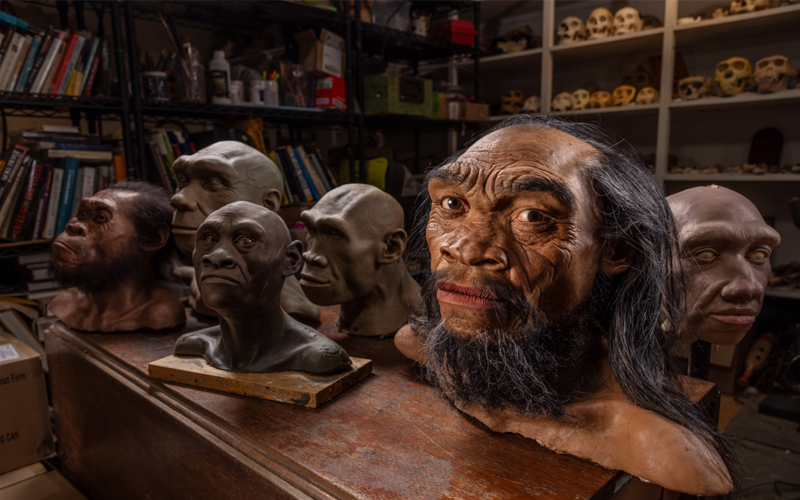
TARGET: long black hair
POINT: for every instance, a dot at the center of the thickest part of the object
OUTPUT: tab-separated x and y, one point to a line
636	217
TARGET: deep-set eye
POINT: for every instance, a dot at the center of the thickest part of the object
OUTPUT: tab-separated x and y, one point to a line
705	256
758	256
213	184
245	240
451	203
101	218
531	215
209	238
182	180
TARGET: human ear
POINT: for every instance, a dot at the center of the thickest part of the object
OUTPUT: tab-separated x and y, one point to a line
294	259
616	259
394	244
158	239
272	199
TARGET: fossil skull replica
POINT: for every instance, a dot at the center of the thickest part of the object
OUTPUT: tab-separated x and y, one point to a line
773	74
647	95
744	6
601	99
627	20
695	87
600	24
512	101
624	95
532	104
733	75
580	99
562	102
571	30
638	79
720	13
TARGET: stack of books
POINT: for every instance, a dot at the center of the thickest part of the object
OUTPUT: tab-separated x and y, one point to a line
51	61
305	177
39	282
45	174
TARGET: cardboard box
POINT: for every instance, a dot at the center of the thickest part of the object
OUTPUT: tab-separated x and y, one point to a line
321	56
398	95
50	486
331	92
25	434
473	112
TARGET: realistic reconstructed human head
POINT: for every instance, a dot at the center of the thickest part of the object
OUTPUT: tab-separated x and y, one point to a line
551	251
725	251
242	255
213	177
115	233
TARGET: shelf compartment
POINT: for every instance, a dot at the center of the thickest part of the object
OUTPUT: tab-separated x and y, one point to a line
393	44
17	248
197	112
414	122
632	110
783	292
741	26
741	101
614	46
732	177
56	106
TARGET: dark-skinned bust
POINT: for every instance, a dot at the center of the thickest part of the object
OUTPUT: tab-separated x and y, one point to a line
215	176
725	251
107	256
242	255
355	252
548	245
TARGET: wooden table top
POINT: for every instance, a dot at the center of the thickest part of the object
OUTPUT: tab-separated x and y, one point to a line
391	436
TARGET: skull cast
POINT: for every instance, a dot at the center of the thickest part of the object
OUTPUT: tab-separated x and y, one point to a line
600	24
512	101
744	6
695	87
562	102
733	75
720	13
580	99
600	99
638	79
647	95
532	104
624	95
571	30
773	74
627	20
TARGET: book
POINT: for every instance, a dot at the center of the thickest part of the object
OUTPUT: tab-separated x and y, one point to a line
287	192
70	166
73	61
56	129
120	172
47	70
70	138
33	258
53	204
7	18
8	36
10	59
40	273
17	68
24	217
91	74
37	286
293	171
312	171
44	294
44	50
102	80
168	158
325	171
303	175
44	145
85	156
63	63
15	157
33	53
89	183
87	64
12	195
158	160
41	209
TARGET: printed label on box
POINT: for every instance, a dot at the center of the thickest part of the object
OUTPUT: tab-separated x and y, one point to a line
453	111
325	83
7	353
332	61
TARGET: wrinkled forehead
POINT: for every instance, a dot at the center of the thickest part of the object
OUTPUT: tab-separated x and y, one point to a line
204	162
115	201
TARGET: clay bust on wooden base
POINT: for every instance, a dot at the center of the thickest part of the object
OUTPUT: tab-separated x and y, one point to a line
551	256
220	174
242	256
108	254
355	252
725	251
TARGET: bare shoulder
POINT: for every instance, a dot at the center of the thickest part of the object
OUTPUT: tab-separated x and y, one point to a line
322	354
197	343
410	345
164	310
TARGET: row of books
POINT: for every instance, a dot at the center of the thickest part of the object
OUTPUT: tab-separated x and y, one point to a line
165	146
305	177
51	61
37	199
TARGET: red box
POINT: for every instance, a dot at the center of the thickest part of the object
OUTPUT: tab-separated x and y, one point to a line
331	93
454	31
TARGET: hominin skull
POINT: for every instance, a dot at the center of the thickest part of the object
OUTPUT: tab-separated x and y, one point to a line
624	95
733	75
562	102
532	104
638	79
512	101
580	99
600	24
601	99
773	74
627	20
695	87
744	6
647	95
571	30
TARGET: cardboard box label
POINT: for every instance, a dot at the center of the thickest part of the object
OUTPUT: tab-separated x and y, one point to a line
7	353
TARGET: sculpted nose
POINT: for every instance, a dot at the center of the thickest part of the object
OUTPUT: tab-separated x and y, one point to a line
744	287
315	259
75	228
181	202
475	252
219	258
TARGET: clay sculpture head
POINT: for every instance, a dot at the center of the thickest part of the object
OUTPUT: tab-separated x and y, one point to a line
551	253
355	252
725	250
108	256
242	255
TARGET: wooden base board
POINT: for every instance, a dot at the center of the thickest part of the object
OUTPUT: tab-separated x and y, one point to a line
298	388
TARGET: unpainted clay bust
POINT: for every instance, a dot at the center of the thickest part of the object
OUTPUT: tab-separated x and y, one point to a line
108	255
542	313
242	256
355	252
220	174
725	251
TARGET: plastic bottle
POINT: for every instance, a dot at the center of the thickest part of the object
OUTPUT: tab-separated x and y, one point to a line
219	77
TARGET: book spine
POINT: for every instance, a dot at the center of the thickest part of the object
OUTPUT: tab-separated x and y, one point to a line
73	146
321	171
12	165
13	20
44	199
33	53
7	210
25	213
94	156
294	182
120	173
10	59
159	161
88	63
89	182
9	35
53	204
312	171
23	56
70	166
73	55
68	138
87	89
46	69
286	192
44	50
63	62
308	185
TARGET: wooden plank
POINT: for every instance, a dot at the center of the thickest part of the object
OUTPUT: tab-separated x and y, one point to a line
298	388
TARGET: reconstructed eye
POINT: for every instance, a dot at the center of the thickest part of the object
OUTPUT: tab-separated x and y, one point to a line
209	238
531	215
245	240
705	256
213	183
450	203
100	218
759	255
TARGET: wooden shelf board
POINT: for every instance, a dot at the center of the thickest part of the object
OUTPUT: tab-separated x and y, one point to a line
616	46
17	244
748	99
776	20
512	61
733	177
783	292
632	110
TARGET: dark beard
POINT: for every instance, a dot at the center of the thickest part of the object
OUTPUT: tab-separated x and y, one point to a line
105	272
534	366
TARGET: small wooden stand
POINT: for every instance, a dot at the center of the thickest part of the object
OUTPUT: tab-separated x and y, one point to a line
297	388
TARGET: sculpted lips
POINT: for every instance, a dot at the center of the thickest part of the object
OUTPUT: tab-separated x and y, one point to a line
218	278
63	246
308	280
736	316
466	296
